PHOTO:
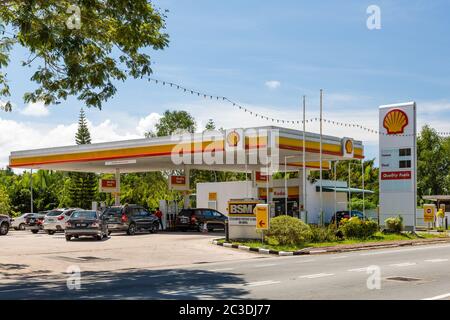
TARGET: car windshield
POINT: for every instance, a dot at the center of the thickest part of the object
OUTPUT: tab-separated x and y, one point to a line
186	213
113	211
84	215
54	213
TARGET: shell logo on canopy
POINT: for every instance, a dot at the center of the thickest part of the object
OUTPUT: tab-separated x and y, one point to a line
233	139
395	121
349	146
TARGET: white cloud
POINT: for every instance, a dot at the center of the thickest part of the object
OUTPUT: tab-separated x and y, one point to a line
37	109
273	84
433	107
28	135
148	123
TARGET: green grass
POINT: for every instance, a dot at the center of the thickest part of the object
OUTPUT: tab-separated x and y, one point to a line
378	237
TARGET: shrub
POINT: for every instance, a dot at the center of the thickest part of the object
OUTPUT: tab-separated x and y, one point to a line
394	225
286	230
355	228
324	234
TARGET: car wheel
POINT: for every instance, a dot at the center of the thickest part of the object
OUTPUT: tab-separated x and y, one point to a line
68	238
155	228
109	233
131	229
4	228
99	238
22	226
35	231
50	232
200	227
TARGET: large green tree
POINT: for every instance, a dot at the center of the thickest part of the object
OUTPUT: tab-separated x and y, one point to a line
83	186
78	47
5	202
175	121
433	163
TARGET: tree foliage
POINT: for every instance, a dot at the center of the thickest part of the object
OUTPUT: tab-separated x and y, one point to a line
433	163
79	48
83	186
173	122
5	202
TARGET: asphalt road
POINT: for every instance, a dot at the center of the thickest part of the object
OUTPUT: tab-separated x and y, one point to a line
421	272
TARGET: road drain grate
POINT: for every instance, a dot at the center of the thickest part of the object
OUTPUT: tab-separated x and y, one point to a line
403	279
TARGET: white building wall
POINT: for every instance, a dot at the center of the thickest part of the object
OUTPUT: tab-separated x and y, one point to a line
241	189
225	191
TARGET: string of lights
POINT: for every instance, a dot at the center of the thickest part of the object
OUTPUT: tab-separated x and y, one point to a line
268	118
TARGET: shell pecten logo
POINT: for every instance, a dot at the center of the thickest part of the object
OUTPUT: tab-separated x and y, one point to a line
395	121
233	139
349	146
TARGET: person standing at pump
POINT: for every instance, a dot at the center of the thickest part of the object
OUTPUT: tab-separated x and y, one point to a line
158	214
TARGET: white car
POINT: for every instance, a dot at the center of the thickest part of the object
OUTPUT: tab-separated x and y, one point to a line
56	220
20	222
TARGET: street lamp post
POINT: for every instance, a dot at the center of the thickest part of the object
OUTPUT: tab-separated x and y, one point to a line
304	163
31	190
321	173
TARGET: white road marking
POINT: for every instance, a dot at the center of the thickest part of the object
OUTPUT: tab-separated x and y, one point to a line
404	250
340	257
436	260
317	275
260	283
222	269
404	264
266	265
358	270
305	261
443	296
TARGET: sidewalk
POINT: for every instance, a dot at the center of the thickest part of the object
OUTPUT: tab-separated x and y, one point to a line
339	248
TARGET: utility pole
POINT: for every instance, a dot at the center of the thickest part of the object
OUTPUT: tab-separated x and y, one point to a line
304	162
31	189
321	174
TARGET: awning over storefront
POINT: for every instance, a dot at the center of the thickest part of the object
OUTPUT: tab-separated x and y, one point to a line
345	190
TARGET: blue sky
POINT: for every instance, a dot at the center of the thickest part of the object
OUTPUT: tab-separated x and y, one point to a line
238	48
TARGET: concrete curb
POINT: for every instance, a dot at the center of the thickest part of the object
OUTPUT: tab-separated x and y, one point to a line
328	250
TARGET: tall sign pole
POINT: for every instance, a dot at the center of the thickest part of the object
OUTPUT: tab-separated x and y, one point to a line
321	174
304	161
31	190
398	163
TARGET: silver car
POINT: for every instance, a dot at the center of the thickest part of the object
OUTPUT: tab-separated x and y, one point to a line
56	220
19	223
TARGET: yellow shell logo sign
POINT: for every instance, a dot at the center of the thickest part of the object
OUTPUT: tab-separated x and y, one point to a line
233	139
395	122
349	146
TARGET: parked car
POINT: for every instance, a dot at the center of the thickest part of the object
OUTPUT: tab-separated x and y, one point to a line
195	219
35	222
86	223
56	219
130	218
19	223
4	225
346	215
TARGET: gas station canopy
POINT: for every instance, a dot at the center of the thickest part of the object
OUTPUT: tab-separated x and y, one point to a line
154	154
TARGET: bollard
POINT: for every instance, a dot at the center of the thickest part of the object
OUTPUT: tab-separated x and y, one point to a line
227	231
